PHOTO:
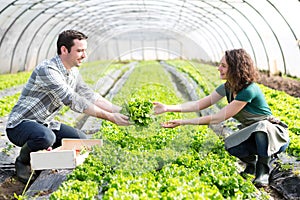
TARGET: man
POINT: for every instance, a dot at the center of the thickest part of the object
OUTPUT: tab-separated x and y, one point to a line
52	84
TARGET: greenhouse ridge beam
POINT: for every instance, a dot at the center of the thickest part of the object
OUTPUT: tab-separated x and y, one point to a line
29	29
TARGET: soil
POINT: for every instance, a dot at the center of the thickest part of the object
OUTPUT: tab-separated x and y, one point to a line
11	185
288	85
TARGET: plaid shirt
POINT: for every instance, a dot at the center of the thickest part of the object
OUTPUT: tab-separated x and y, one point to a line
49	87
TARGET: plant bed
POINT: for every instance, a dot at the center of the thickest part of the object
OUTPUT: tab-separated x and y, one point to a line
161	156
156	163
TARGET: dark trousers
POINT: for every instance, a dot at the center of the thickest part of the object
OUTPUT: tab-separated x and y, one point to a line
39	136
257	144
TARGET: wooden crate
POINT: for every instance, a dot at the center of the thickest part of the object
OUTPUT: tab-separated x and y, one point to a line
67	156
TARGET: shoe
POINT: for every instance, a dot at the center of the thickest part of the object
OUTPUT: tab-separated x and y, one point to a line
22	165
250	165
262	172
23	171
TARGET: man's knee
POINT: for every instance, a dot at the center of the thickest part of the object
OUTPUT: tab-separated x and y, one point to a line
43	141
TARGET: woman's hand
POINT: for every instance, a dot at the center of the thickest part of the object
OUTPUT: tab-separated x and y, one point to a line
171	124
159	108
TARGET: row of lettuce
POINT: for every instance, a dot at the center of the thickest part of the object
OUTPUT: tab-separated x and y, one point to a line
156	163
283	105
138	162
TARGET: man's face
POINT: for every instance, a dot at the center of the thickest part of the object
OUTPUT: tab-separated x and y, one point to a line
76	55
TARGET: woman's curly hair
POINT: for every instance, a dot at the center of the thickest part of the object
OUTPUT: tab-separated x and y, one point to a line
241	70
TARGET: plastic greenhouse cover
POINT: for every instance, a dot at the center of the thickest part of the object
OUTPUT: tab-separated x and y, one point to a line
122	29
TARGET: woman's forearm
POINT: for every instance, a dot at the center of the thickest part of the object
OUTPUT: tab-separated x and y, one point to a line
225	113
191	106
205	120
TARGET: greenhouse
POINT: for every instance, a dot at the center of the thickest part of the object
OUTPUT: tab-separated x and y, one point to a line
139	91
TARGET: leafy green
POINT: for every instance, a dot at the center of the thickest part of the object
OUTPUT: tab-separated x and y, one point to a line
139	111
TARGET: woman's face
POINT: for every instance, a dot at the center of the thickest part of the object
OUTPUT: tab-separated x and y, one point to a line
223	68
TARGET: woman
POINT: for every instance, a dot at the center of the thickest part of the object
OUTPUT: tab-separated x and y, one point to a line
260	135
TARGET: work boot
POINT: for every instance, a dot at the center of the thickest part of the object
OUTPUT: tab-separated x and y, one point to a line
250	165
22	164
262	171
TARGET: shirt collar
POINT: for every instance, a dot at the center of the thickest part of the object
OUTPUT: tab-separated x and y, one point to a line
61	66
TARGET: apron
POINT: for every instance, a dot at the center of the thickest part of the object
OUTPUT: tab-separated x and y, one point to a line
250	123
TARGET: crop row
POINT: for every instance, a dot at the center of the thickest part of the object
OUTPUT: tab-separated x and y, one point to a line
151	162
143	158
10	80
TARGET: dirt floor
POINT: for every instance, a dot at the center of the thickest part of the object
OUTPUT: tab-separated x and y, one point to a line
288	85
12	186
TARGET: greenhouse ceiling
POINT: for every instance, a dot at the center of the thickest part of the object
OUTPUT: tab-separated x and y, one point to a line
153	29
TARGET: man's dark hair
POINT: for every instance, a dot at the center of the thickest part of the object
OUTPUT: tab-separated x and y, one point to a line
66	38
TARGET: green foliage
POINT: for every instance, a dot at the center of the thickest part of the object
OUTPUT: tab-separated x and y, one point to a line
92	71
7	103
10	80
158	163
187	162
139	111
206	76
76	190
287	108
20	197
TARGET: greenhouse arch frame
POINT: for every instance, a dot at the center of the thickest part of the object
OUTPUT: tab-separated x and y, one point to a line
196	29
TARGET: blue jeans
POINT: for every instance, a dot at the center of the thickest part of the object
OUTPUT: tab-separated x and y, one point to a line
257	144
39	136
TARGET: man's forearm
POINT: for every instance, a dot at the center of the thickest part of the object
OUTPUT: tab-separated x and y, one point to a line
107	105
95	111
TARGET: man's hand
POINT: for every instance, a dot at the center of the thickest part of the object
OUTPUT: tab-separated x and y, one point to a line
49	149
120	119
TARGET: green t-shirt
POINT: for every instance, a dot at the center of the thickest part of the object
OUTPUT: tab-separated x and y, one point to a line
256	102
